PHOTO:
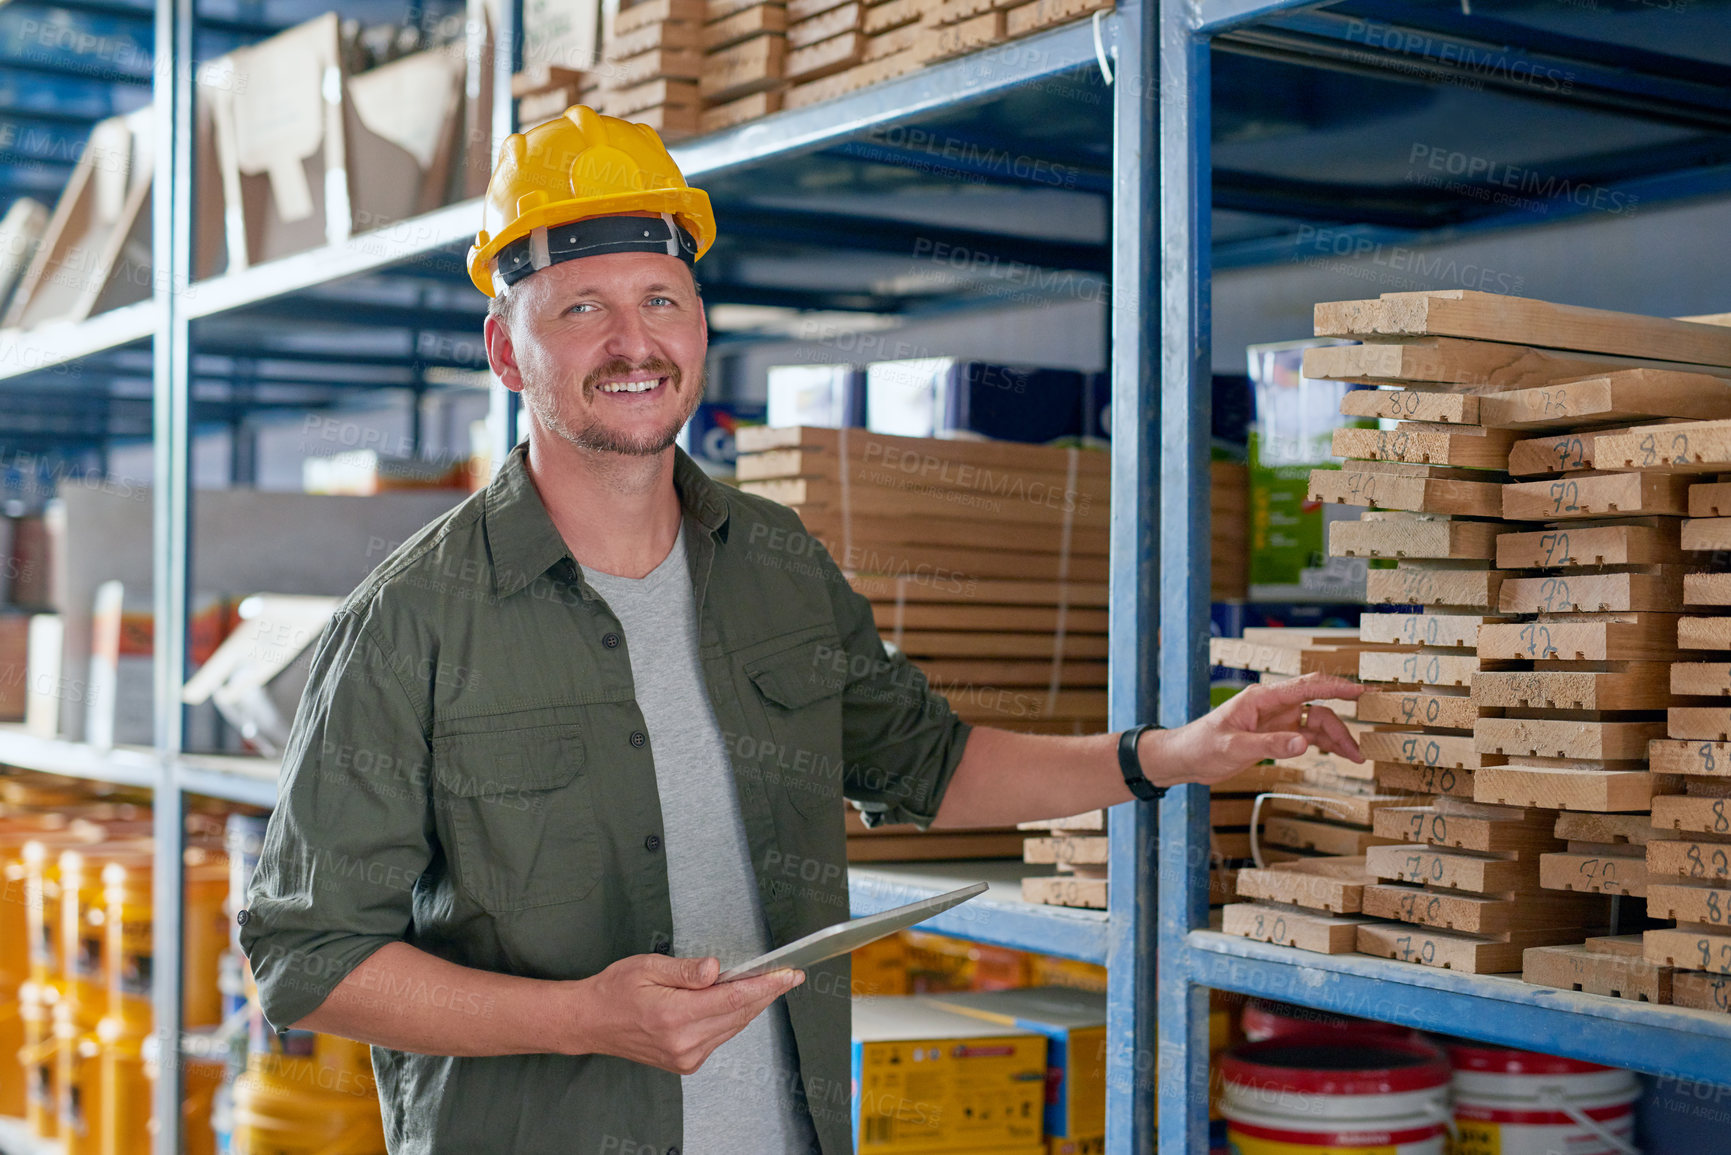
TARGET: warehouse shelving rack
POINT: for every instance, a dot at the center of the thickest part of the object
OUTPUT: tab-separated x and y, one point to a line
1017	84
1443	43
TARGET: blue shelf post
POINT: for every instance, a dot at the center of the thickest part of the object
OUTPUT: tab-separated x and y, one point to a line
1132	696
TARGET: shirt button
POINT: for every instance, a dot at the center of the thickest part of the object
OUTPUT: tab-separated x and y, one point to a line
243	917
638	738
673	1151
653	842
611	641
663	947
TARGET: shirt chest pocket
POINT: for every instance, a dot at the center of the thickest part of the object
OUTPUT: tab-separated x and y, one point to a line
799	693
519	809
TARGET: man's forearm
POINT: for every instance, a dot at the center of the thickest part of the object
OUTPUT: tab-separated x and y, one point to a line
408	1000
1005	778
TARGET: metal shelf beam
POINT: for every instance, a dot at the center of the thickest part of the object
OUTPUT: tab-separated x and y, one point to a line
998	917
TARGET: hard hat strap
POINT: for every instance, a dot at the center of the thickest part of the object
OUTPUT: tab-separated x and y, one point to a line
594	237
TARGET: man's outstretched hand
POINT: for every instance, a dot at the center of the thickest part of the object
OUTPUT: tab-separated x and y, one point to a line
1257	723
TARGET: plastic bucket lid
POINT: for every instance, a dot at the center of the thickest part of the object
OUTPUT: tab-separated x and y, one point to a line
1336	1067
1507	1061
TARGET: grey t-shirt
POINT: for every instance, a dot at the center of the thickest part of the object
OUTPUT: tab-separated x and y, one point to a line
740	1102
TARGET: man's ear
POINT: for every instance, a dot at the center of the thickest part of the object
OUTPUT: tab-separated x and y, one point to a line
501	356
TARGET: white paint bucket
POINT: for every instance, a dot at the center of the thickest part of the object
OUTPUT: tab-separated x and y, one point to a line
1521	1103
1296	1096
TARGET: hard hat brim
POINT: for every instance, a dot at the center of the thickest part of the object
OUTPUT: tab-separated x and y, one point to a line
689	206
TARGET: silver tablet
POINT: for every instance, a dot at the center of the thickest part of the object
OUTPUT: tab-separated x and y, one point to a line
848	936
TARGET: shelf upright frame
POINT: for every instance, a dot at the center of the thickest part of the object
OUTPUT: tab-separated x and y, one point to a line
1132	676
171	242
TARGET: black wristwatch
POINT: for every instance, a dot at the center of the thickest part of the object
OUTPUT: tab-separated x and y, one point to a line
1131	765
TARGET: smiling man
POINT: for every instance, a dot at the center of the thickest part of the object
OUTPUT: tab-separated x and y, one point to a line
605	735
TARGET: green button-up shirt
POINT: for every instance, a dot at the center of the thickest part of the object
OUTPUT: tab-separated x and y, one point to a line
469	773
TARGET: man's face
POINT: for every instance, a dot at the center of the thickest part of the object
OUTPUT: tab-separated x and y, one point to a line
606	350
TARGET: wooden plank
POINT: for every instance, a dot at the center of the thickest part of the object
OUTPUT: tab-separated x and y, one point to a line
920	588
1456	630
1411	405
960	644
1701	679
1624	686
845	18
1597	972
1555	788
1427	444
1440	780
1454	951
1026	18
1410	584
1484	366
1624	396
1477	913
1593	873
1712	723
1451	869
880	18
1422	748
1701	992
1493	317
1688	949
1555	453
1036	503
1292	926
1598	495
1710	499
1707	589
806	9
1245	654
1446	711
1335	885
739	110
815	61
1414	537
916	616
1379	490
1334	805
1424	667
1593	593
1699	904
1699	815
646	12
1316	835
1631	636
1532	833
1083	849
1632	829
1688	447
1686	858
1704	633
1704	533
1652	543
1555	738
943	42
1060	890
755	20
1320	768
874	71
623	46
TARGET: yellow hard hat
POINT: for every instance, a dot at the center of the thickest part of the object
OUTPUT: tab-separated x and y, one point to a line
578	166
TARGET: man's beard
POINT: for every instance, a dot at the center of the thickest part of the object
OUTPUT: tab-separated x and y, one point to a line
596	436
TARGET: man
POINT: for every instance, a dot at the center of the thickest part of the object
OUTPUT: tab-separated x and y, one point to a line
586	739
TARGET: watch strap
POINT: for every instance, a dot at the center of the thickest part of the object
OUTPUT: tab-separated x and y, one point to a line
1131	765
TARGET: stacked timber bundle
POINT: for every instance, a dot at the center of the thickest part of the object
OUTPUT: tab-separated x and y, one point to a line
837	47
1578	622
1305	873
745	56
985	563
1687	855
652	57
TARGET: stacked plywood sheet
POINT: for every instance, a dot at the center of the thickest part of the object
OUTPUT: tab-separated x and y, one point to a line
652	59
1571	660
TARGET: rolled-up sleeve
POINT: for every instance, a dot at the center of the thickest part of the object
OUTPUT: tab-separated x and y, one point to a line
901	741
352	831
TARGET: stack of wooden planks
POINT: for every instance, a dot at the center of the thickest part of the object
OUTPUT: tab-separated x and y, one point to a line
1544	811
1316	826
746	54
1229	510
985	563
842	45
652	58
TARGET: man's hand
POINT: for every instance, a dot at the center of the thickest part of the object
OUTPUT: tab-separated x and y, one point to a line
1257	723
670	1012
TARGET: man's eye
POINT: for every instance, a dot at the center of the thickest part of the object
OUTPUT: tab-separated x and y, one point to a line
664	300
580	307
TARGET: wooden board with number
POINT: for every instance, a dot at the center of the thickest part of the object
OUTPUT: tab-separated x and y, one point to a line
1680	812
1624	396
1425	748
1690	949
1419	668
1593	873
1592	968
1554	453
1424	443
1629	636
1689	858
1415	779
1521	832
1708	905
1410	584
1476	366
1562	738
1411	405
1413	537
1658	589
1378	489
1422	629
1450	869
1689	447
1291	660
1478	913
1334	885
1292	926
1596	496
1568	788
1419	708
1652	541
1619	685
1469	953
1701	992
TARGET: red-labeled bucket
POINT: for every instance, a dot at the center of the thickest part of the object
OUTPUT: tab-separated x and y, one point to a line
1522	1103
1309	1096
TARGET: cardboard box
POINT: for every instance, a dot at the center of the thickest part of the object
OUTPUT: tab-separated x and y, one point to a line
95	252
1291	434
881	968
930	1080
1074	1023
